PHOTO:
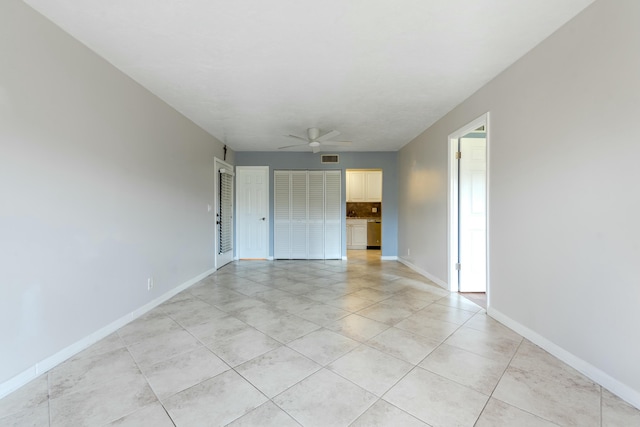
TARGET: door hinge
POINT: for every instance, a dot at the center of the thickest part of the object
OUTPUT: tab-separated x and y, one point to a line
458	155
458	266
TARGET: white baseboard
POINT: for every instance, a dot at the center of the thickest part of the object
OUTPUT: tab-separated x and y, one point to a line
616	387
389	258
344	257
426	274
54	360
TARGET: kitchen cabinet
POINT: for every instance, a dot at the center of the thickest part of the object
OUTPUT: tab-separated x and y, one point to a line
364	186
356	234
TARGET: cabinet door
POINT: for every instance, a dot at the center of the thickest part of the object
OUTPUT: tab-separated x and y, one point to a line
299	210
316	227
359	236
282	215
332	215
355	186
373	184
349	235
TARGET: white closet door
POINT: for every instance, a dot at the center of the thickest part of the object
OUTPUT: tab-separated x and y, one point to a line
282	215
316	215
332	215
299	215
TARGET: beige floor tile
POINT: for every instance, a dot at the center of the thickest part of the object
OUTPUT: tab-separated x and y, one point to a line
477	372
30	396
484	343
277	370
403	345
436	400
499	414
322	314
371	369
266	415
342	401
385	313
219	329
162	347
482	322
236	305
323	346
384	414
357	327
460	302
616	412
371	294
146	327
446	313
260	315
151	415
217	401
100	405
350	303
183	371
565	403
244	346
434	329
37	416
91	373
288	328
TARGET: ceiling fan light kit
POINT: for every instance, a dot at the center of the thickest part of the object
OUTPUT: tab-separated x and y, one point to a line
315	139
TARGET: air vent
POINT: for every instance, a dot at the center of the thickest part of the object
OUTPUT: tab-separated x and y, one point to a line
330	158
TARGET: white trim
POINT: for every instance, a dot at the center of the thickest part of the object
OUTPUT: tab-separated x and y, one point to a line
616	387
388	258
52	361
452	222
269	258
344	257
426	274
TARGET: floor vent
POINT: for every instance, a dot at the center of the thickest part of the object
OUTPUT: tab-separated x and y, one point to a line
330	158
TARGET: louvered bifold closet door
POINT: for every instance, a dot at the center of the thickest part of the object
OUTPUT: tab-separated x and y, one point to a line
299	210
282	215
332	215
316	215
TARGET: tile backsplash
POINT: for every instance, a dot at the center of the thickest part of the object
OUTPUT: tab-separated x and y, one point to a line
363	210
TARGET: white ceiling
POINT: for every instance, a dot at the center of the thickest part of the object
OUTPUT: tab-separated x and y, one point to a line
251	71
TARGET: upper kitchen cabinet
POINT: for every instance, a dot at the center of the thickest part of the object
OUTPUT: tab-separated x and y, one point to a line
364	186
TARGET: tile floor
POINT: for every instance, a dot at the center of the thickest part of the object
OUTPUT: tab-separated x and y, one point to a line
289	343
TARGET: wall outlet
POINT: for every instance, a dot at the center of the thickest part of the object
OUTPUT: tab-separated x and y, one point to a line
209	208
374	210
408	252
150	283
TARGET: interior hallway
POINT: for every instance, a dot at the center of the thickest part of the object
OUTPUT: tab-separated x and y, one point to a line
315	343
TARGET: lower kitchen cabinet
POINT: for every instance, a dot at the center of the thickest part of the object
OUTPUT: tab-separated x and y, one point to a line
356	234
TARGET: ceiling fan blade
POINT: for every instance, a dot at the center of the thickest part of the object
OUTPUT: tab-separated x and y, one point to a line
337	143
315	148
298	137
328	135
291	146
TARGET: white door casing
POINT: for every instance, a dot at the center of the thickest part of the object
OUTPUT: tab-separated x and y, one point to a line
224	177
252	212
480	262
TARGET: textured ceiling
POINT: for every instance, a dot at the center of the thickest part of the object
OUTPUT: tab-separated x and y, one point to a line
251	71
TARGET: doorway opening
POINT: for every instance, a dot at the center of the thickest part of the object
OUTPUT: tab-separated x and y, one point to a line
364	211
468	209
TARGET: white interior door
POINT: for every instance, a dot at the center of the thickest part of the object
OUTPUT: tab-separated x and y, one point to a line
224	178
252	212
472	215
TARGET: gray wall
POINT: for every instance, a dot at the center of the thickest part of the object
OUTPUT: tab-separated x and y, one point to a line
102	185
387	161
564	205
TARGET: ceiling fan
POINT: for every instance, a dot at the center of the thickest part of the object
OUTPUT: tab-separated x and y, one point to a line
314	140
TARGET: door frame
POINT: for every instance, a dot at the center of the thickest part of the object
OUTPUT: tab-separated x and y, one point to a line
217	165
452	233
239	170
